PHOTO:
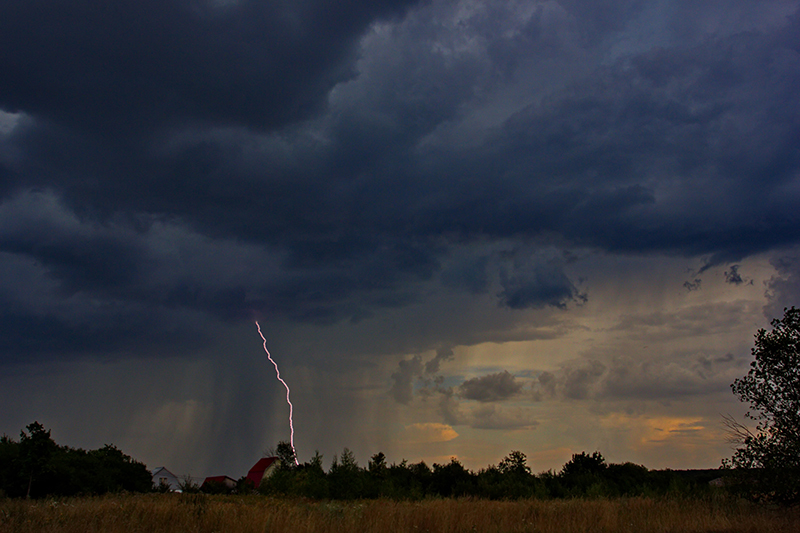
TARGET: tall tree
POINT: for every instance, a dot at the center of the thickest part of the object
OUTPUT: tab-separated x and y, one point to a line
515	463
767	461
285	454
36	451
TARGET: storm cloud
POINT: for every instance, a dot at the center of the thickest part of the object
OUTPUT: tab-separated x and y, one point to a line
138	65
269	125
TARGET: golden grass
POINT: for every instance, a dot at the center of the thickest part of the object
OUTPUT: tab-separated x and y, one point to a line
188	513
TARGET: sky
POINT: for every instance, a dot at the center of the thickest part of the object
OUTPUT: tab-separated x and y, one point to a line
466	227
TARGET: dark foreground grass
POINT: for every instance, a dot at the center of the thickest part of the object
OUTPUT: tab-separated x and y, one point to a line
190	513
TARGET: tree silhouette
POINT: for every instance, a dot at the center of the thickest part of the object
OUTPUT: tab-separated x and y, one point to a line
36	452
36	466
285	453
767	461
514	463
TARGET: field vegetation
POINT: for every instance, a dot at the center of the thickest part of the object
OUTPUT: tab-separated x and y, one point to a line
202	513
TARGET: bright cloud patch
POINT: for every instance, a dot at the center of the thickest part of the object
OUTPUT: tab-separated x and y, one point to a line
430	432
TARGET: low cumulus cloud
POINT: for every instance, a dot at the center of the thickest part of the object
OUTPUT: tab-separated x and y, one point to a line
415	370
693	285
689	321
669	378
456	411
643	378
579	381
490	388
575	380
732	276
450	408
454	402
442	354
648	377
403	379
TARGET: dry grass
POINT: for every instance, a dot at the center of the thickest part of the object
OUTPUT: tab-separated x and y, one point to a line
156	513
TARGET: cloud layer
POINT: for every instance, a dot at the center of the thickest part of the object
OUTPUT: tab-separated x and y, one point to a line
357	149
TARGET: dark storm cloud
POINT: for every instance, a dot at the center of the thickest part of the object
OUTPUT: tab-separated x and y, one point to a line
34	226
76	286
627	158
661	120
471	275
133	64
490	388
535	282
40	320
125	329
351	157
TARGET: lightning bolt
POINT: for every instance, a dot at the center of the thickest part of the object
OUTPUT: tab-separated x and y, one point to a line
278	373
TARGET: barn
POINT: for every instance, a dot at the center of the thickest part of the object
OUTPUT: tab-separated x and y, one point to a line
262	470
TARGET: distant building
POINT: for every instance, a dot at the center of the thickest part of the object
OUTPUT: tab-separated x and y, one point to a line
163	476
263	468
218	484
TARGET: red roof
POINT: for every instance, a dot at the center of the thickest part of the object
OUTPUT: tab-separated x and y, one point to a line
225	480
256	474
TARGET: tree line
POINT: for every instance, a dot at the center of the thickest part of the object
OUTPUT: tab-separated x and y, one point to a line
35	466
585	475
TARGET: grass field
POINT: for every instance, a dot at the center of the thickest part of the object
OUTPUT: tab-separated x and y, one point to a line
190	513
